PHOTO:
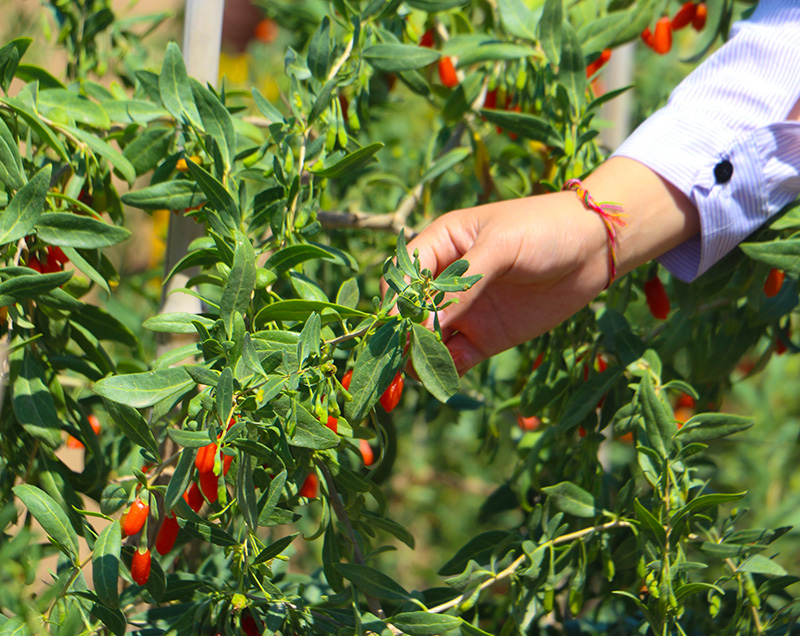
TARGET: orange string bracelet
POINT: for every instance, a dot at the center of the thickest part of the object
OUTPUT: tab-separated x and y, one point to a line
610	213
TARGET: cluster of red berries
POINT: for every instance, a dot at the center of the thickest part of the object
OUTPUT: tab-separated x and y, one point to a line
389	400
660	40
51	260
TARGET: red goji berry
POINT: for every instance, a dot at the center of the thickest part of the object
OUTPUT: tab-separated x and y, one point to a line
647	37
167	533
428	39
57	254
345	104
599	63
657	299
685	400
447	72
538	362
662	38
137	515
140	566
348	377
684	16
490	101
774	282
227	460
780	346
581	432
333	423
193	497
209	483
310	487
205	458
249	625
391	396
528	423
700	15
367	454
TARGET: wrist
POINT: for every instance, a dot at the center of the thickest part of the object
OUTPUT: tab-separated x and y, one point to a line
658	216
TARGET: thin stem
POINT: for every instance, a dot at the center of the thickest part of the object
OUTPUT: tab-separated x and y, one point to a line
566	538
358	556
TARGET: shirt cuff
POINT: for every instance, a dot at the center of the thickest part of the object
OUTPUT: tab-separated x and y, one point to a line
685	152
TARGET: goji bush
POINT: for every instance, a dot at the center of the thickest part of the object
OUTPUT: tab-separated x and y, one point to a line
257	457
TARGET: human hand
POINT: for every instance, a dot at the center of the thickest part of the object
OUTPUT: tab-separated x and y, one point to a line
545	257
542	259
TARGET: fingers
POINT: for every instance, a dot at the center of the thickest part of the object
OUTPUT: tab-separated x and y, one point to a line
465	354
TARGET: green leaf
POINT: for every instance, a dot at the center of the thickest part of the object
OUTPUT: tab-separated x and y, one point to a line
550	30
133	111
434	364
300	310
176	322
246	491
32	286
271	498
309	432
572	499
758	564
267	109
206	531
105	564
320	50
424	623
702	502
113	619
393	58
572	70
291	256
659	425
217	121
708	426
132	425
168	195
376	366
78	108
12	173
519	20
372	582
51	517
104	326
30	73
218	197
140	390
274	549
432	6
241	281
650	523
495	51
148	148
73	230
586	398
175	89
442	165
42	130
529	126
780	254
33	404
189	439
181	478
112	155
478	549
25	208
350	162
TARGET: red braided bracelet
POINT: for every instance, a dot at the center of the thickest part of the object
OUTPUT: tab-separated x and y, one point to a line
610	213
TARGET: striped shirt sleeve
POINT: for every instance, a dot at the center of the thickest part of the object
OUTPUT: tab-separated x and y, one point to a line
733	107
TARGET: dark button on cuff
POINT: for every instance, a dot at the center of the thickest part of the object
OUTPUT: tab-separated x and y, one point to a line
723	171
